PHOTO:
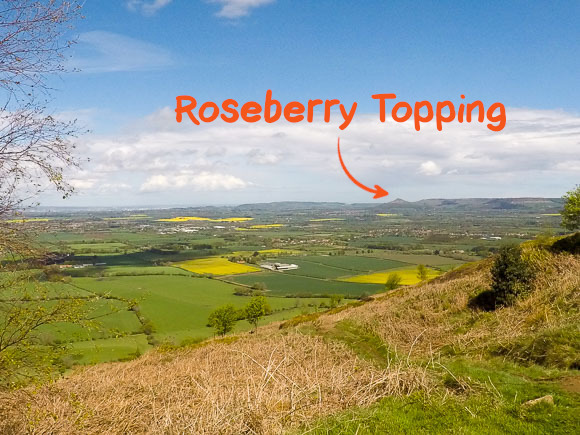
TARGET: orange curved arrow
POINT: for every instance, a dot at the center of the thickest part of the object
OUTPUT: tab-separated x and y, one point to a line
378	190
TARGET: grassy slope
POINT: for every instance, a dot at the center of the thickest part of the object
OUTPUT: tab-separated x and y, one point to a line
417	360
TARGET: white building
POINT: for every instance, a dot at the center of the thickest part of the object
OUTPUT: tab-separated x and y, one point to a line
279	267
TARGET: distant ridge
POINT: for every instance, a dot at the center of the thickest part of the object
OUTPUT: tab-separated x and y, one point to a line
547	205
532	204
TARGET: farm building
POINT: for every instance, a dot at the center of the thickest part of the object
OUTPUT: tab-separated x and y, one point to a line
280	267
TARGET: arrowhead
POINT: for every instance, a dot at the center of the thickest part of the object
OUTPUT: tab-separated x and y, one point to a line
379	192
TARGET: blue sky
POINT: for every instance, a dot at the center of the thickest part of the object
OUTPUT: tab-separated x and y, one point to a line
136	56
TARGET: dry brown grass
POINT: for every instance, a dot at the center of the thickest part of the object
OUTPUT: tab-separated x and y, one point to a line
255	385
425	319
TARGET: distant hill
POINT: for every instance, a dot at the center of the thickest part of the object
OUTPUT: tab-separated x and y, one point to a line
537	205
547	205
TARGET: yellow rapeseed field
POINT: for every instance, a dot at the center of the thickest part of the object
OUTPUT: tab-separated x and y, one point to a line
22	221
273	252
265	226
387	214
408	276
195	218
215	266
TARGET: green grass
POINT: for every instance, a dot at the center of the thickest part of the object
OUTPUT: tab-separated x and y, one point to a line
178	306
108	318
473	415
492	405
144	270
109	349
174	301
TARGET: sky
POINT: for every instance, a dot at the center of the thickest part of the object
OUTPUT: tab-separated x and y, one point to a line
134	57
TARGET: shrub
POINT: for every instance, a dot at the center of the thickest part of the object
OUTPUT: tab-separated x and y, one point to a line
571	211
393	281
335	300
511	275
223	319
257	308
422	273
569	244
259	286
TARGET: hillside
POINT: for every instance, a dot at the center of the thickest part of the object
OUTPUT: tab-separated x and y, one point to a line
416	359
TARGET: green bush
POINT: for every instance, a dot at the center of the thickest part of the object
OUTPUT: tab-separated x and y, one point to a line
393	281
511	275
223	319
569	244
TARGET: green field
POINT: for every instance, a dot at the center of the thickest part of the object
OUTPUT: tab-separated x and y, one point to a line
284	284
108	349
427	260
174	303
97	247
354	262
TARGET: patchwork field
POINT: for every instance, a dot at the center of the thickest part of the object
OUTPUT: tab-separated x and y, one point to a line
23	221
129	313
177	306
427	260
215	266
354	262
408	276
312	269
285	284
98	248
266	226
195	218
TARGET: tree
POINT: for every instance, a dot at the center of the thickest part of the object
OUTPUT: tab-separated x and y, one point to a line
393	281
35	147
335	300
35	150
25	351
571	211
422	272
223	319
257	308
511	275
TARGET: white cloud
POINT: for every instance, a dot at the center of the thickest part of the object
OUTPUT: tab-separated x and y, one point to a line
100	51
114	187
429	168
536	154
82	184
262	158
238	8
147	7
205	181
